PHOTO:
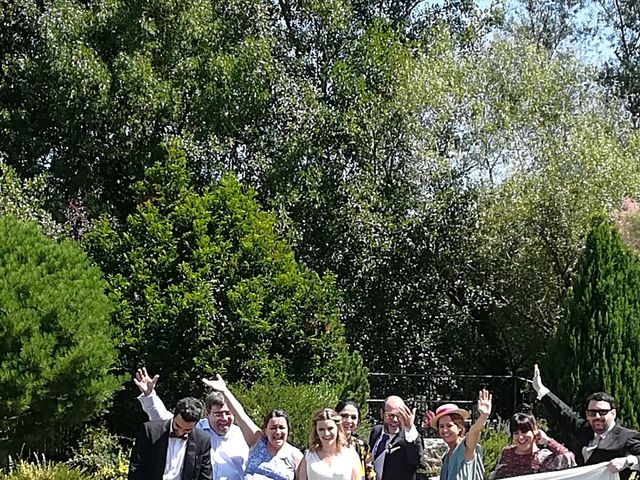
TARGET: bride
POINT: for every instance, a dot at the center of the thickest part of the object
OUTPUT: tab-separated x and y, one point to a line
329	457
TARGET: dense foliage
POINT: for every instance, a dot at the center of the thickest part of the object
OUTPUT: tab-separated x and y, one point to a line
57	350
209	287
596	347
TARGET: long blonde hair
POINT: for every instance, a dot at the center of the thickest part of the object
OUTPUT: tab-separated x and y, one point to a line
319	416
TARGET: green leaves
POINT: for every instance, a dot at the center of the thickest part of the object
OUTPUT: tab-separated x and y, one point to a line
57	345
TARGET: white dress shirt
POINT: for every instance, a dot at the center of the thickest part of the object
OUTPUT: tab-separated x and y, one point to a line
175	457
229	452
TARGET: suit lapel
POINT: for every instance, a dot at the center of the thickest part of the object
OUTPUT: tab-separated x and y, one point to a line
189	457
163	446
395	442
611	438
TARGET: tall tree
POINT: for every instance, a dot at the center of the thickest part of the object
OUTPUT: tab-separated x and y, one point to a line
203	284
596	346
57	345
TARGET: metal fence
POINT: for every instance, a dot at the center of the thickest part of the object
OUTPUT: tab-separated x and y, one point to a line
427	392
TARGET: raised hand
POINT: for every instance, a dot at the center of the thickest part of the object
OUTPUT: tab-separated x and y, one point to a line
484	402
144	382
537	379
406	417
217	383
541	437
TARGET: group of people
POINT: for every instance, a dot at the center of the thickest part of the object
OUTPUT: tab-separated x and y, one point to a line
226	444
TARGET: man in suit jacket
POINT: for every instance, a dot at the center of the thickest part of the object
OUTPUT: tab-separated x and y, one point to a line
599	438
396	446
173	449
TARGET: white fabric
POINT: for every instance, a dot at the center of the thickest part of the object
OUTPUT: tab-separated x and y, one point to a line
175	457
378	463
589	472
336	468
229	452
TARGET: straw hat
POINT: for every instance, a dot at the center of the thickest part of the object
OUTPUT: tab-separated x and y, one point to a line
447	409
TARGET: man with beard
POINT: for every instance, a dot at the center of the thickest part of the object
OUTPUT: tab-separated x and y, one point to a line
172	449
395	445
229	451
599	438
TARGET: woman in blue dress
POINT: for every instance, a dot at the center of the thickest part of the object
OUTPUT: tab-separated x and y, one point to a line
271	456
463	461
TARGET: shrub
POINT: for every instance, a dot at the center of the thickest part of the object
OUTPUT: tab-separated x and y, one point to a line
299	401
204	284
41	469
56	342
596	345
101	454
493	440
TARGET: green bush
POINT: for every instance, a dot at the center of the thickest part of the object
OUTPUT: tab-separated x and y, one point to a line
41	469
102	454
596	345
493	440
56	343
299	401
204	284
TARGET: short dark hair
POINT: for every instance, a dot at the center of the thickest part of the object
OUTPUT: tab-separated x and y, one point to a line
522	422
343	403
276	413
600	397
189	408
214	399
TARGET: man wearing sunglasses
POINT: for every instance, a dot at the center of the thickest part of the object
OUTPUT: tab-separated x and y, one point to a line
599	438
396	446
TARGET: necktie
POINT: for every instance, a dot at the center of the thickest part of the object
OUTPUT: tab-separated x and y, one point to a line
588	450
381	445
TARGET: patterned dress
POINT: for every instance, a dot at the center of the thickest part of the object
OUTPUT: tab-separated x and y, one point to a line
261	465
554	457
363	451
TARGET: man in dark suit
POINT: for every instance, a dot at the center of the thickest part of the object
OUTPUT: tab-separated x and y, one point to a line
599	438
396	445
173	449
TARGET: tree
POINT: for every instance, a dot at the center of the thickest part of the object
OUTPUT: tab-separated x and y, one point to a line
596	345
203	284
57	347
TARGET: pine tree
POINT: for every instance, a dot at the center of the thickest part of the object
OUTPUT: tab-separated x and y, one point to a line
596	346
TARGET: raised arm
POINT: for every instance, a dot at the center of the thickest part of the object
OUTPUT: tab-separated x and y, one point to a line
413	446
251	432
151	403
484	408
565	415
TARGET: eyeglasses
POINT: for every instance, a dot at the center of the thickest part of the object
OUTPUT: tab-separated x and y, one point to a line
346	416
596	411
391	415
221	414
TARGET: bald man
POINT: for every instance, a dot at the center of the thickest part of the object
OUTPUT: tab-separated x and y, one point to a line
396	446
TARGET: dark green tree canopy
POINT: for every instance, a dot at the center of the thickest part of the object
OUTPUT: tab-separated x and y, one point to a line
57	347
596	346
205	285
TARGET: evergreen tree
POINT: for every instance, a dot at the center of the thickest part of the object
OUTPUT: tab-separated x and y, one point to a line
203	284
596	346
57	347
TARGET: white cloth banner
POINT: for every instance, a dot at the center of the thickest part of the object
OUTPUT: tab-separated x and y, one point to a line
590	472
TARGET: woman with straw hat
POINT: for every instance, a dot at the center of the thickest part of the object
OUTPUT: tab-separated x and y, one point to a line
463	461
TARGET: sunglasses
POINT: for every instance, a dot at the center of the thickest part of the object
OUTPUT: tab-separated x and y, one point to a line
346	416
595	411
391	415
